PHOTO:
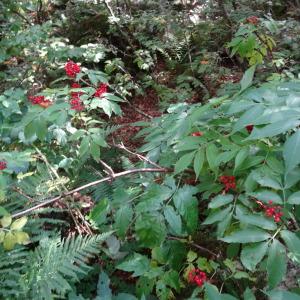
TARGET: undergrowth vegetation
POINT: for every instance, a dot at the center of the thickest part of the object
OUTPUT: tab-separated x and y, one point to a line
149	150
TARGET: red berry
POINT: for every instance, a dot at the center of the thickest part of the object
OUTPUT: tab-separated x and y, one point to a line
3	165
252	20
249	128
197	133
102	89
197	276
72	69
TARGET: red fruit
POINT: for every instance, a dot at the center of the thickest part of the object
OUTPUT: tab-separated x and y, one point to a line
72	69
197	276
252	20
76	85
197	133
102	89
45	103
36	99
249	128
76	103
3	165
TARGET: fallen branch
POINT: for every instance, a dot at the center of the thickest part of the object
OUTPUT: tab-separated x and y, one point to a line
68	193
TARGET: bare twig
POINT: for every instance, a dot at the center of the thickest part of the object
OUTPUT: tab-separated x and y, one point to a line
194	245
109	171
22	17
61	196
141	157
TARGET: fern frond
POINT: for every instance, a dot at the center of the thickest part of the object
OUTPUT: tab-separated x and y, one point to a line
54	265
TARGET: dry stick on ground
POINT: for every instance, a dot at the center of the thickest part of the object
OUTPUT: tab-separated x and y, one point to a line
68	193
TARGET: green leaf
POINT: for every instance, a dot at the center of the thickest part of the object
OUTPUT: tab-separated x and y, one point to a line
21	237
2	235
294	198
248	295
84	146
191	256
251	255
18	224
103	289
138	264
276	263
216	216
123	217
199	161
248	235
211	292
292	242
144	286
6	221
211	154
248	117
256	220
282	295
173	220
100	211
3	211
30	130
267	181
106	105
184	162
220	200
247	78
41	128
241	156
273	129
266	195
10	240
291	150
95	150
99	140
150	230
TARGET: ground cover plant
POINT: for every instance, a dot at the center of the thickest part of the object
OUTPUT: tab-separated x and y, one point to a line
149	150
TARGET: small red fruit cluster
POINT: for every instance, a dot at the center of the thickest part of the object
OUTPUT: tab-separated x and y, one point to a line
197	133
197	276
72	69
39	100
252	20
102	89
75	101
228	181
249	128
272	211
3	165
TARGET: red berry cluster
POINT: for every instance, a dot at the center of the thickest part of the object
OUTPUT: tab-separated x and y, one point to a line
75	101
39	100
197	276
228	181
197	133
72	69
3	165
76	85
272	211
252	20
249	128
102	89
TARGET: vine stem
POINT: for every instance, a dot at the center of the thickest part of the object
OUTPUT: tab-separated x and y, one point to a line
93	183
